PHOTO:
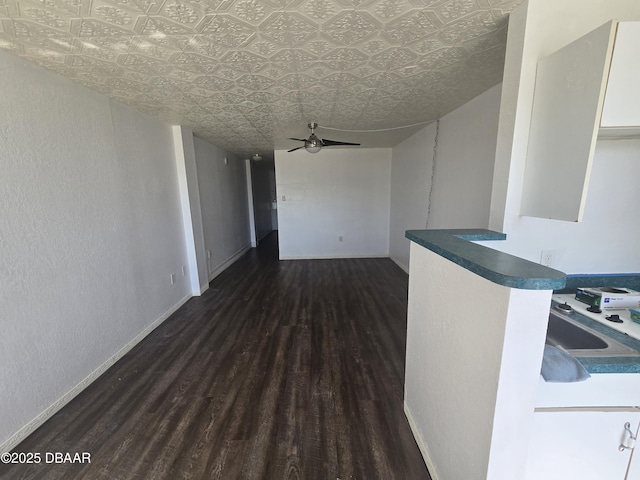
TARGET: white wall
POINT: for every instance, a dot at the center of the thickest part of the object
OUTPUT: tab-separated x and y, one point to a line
90	230
262	197
411	163
223	202
331	194
603	242
461	196
464	163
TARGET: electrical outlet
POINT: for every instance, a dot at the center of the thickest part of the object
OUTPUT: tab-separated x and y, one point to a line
340	238
184	271
546	257
172	278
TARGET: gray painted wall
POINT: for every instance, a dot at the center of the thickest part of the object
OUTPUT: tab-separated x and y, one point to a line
90	230
223	201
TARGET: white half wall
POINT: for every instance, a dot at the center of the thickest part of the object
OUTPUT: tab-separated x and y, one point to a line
463	176
604	242
222	185
90	231
334	203
471	374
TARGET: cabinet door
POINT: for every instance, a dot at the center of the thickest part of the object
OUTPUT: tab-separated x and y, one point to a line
634	466
579	444
622	100
567	106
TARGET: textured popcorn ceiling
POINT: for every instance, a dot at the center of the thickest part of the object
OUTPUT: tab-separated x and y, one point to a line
247	74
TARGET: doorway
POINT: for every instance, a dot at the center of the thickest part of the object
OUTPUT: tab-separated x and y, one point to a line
265	202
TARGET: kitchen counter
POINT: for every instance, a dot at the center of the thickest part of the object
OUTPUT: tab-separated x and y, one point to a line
507	270
501	268
623	333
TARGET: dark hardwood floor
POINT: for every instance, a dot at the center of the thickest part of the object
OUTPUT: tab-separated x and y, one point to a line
281	370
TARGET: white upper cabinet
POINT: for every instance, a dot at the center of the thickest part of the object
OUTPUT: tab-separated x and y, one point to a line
599	71
622	100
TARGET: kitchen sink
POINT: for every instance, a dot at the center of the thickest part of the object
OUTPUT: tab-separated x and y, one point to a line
582	341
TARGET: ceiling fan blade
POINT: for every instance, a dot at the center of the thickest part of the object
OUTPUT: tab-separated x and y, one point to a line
298	139
294	149
330	143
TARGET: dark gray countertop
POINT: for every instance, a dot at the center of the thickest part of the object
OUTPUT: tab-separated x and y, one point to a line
501	268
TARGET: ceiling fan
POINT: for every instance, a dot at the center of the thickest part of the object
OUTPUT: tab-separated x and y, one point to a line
313	144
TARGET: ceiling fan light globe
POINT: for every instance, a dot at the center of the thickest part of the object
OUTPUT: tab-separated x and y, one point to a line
313	145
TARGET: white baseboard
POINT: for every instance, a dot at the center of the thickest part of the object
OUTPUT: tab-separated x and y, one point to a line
30	427
331	256
420	441
232	259
402	266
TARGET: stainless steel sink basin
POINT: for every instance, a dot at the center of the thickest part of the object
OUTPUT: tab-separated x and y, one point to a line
582	341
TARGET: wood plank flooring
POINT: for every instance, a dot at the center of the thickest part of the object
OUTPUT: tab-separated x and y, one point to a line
281	370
